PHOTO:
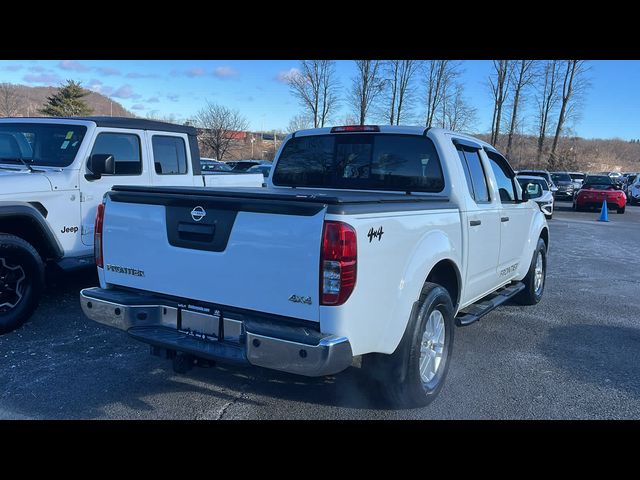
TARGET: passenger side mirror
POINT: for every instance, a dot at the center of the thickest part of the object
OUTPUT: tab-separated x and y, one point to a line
100	164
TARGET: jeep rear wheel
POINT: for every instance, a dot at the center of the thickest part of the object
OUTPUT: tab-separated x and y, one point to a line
21	281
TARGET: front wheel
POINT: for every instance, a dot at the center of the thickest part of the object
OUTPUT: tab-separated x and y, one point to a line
21	281
414	374
536	277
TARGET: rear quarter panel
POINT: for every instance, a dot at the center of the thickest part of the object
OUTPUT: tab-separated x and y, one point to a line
391	273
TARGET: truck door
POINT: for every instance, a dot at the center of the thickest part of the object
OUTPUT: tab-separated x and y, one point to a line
515	217
483	224
126	146
170	159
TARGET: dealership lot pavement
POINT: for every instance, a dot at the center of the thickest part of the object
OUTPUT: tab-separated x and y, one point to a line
575	355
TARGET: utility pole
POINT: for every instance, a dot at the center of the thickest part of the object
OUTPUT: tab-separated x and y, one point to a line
111	105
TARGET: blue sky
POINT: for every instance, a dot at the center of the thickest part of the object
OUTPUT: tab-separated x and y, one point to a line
257	89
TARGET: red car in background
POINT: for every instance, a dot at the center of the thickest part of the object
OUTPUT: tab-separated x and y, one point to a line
597	188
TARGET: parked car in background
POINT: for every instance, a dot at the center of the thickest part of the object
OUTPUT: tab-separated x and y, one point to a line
244	165
263	169
211	165
577	178
565	185
634	191
541	173
596	189
629	179
538	190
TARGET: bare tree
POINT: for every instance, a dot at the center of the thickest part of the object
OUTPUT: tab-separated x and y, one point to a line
399	76
220	127
546	99
366	87
439	76
523	75
299	122
574	85
315	86
9	100
457	113
499	85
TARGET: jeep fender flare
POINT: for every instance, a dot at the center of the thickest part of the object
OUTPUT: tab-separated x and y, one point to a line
40	233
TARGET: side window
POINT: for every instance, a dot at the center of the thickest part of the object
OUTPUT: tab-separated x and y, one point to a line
125	148
474	172
500	168
169	155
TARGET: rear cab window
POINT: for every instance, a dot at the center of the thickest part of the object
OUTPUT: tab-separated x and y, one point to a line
392	162
474	173
169	155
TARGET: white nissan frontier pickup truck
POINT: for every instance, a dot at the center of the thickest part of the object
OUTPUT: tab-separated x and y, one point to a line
369	241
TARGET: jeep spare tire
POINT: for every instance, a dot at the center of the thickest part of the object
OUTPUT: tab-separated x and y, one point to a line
21	281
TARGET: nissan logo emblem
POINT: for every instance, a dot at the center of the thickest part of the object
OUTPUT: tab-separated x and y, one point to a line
198	214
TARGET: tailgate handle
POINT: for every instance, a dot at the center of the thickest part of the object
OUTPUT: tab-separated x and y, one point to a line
191	231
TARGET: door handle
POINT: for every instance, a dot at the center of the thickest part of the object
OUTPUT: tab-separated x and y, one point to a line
504	219
475	223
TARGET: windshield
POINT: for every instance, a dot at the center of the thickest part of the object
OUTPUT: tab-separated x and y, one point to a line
360	162
243	166
560	177
576	176
535	188
44	144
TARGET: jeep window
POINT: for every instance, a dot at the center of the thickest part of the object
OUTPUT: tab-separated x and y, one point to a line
169	155
503	174
474	173
125	149
43	144
361	161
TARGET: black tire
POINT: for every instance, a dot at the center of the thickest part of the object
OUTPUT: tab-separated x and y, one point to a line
18	257
531	296
549	217
397	376
620	210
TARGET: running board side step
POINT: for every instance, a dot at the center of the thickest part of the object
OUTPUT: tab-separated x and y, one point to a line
478	310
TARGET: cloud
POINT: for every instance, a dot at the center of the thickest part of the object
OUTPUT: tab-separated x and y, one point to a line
125	91
138	106
45	78
11	68
37	69
73	65
195	72
97	86
108	71
225	72
153	100
141	75
173	97
285	75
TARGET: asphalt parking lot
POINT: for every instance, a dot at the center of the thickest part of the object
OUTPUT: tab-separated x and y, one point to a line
573	356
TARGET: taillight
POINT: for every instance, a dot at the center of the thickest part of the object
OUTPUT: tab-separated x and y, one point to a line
338	261
355	128
97	236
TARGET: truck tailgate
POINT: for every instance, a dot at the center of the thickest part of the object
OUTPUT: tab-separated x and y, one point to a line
232	250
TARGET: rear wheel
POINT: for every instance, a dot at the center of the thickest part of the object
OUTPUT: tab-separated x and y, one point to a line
414	374
21	281
536	277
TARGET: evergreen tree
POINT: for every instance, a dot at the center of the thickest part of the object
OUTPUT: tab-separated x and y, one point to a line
67	101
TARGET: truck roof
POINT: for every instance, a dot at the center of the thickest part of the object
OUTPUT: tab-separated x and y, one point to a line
398	130
118	122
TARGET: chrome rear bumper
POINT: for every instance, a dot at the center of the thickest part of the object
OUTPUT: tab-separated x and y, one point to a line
217	336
